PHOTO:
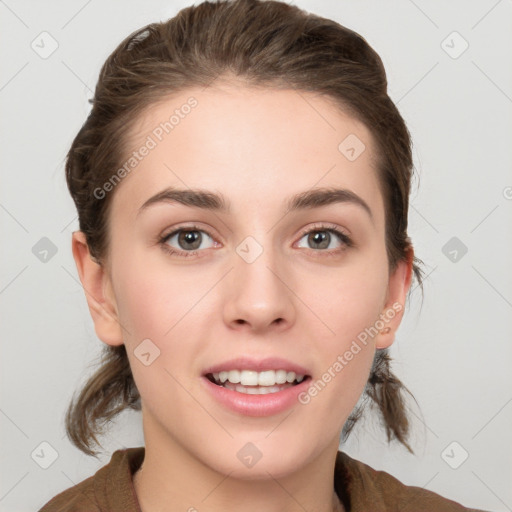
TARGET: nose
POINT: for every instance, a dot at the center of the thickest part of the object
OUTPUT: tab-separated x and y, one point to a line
258	295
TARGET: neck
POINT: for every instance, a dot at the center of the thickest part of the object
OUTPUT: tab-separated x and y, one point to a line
233	497
171	478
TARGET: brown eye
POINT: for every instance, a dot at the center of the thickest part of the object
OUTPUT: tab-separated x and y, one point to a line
319	238
326	238
187	239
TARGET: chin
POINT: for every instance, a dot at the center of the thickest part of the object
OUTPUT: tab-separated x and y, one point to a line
253	462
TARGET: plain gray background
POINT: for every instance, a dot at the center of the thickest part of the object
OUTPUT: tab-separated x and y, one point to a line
454	355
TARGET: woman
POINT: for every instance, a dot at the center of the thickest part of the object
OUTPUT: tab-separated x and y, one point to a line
242	188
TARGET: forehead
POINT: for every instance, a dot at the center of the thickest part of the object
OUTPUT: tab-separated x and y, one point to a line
248	143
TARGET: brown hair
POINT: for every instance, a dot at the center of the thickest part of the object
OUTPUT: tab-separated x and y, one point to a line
264	43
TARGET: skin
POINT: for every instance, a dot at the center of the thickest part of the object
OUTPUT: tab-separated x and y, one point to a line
258	147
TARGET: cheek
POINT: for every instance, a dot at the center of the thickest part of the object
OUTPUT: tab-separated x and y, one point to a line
143	307
348	347
151	296
348	302
163	304
155	306
348	299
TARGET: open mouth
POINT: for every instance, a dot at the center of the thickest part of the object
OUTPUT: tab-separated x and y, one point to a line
272	384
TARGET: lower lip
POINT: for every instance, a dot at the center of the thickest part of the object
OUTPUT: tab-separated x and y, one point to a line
256	405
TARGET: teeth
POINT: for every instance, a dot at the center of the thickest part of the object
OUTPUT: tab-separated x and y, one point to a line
256	390
253	378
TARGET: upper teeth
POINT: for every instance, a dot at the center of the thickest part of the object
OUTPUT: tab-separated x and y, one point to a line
253	378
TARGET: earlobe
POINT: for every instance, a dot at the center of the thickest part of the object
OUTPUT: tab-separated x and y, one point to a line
96	282
398	286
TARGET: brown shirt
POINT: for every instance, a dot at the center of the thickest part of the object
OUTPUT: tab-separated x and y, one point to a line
360	487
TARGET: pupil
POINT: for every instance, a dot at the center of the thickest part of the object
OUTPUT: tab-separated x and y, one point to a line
190	237
321	237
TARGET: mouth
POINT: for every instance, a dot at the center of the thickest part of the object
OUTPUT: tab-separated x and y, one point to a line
256	383
256	387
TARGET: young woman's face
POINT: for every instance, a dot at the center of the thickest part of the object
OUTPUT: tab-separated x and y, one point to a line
253	279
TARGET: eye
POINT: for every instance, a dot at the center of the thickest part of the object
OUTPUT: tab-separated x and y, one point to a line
326	237
186	241
190	240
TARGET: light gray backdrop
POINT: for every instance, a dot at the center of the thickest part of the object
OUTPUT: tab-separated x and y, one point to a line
449	71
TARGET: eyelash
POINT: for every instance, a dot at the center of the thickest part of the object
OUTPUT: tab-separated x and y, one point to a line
330	228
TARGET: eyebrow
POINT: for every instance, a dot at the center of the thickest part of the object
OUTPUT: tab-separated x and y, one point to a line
204	199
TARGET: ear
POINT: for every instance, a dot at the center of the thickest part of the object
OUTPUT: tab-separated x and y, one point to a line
394	308
98	292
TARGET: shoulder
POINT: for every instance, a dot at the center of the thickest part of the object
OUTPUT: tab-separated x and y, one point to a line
78	498
110	488
368	486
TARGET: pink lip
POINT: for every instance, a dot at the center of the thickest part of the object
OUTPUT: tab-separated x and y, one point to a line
261	365
256	405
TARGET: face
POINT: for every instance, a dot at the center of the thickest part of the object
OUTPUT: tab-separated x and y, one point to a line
195	287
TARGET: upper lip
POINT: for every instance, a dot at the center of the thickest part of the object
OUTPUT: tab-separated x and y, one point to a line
259	365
